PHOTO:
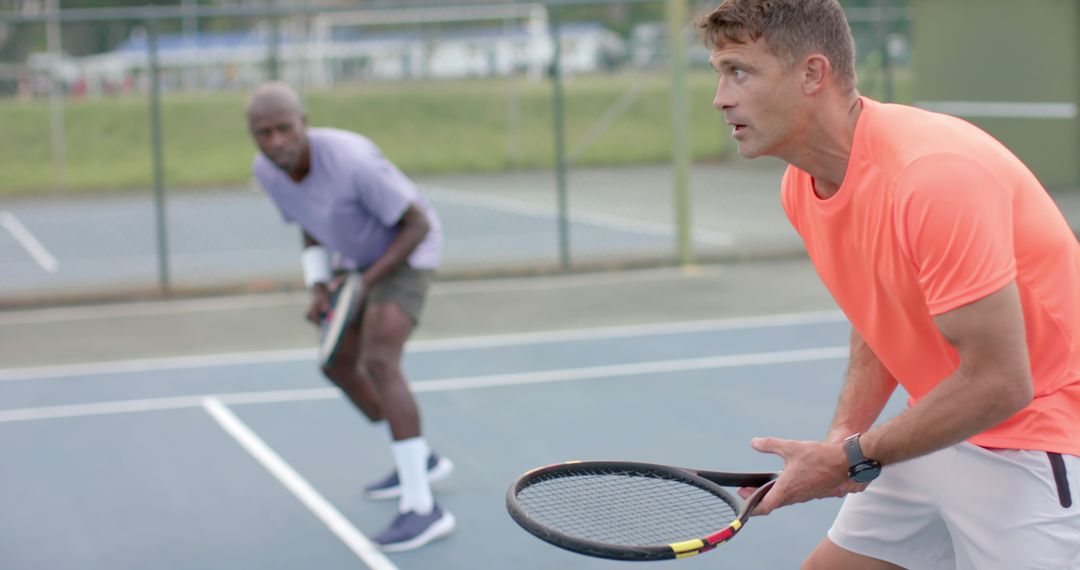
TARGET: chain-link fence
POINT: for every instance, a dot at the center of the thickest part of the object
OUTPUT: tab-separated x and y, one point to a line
543	133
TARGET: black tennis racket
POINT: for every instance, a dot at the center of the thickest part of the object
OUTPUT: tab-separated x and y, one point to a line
344	306
633	511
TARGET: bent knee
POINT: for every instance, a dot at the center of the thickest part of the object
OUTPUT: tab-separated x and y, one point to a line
380	366
829	556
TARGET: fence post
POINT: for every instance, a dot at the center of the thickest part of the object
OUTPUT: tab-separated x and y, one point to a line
273	57
156	146
680	129
56	96
881	31
560	144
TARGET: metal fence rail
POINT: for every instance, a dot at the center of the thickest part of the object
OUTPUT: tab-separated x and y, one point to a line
574	80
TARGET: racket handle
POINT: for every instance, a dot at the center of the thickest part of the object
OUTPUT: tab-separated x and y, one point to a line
739	479
753	500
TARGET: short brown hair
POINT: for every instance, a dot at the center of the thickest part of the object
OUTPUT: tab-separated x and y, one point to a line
791	29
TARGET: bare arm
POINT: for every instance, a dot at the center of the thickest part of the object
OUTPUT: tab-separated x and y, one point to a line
992	382
412	228
867	388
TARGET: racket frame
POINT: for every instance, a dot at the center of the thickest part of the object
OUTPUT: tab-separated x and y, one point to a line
346	302
709	481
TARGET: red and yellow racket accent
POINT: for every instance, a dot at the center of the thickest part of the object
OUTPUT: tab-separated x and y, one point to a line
697	546
687	547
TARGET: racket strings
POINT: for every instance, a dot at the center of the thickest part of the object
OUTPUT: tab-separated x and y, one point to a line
625	507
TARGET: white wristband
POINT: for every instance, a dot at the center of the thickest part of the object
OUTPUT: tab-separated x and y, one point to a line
316	263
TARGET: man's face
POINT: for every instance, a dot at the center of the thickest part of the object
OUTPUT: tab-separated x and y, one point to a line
760	96
281	137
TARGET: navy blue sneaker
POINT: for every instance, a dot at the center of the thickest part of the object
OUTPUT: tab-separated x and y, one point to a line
389	487
411	530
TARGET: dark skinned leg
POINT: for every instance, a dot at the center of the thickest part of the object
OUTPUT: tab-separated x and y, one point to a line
385	329
347	374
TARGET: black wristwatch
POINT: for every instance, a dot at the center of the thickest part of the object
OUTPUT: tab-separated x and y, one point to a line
861	469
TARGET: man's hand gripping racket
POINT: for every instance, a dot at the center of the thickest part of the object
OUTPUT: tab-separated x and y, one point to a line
633	511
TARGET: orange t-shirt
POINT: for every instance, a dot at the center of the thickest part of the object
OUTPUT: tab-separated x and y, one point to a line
934	214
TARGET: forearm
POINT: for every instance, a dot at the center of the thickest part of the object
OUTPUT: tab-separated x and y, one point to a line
961	406
867	388
991	383
412	229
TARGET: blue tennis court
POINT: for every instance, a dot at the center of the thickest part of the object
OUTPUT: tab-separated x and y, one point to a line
501	222
238	236
236	460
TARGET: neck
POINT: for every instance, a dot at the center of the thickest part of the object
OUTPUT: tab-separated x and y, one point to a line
826	150
303	167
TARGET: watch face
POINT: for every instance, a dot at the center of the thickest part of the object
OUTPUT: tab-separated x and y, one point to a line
864	473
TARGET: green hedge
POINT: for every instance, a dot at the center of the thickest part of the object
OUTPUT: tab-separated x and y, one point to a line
425	127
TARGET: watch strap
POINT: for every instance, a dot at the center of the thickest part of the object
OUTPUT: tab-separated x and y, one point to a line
853	450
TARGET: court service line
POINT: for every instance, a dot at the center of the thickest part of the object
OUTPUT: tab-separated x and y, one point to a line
629	331
297	485
569	280
419	346
592	218
154	364
440	385
28	241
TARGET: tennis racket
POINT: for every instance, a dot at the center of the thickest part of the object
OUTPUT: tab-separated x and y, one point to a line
344	306
633	511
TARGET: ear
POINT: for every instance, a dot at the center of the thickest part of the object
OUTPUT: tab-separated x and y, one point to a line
303	120
816	72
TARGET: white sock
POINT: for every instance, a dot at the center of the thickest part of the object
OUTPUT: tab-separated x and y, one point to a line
383	427
411	455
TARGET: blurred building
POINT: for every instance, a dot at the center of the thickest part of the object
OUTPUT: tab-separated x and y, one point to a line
342	47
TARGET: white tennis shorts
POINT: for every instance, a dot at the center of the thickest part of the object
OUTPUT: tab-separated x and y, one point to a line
968	508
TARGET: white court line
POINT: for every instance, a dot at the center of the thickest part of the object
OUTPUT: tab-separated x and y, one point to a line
151	308
629	331
154	364
635	369
298	486
1002	109
420	346
441	385
568	280
28	241
592	218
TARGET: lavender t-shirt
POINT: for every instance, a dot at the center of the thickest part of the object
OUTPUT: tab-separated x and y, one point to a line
351	199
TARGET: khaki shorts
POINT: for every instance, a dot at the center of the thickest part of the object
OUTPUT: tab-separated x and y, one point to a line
968	508
406	286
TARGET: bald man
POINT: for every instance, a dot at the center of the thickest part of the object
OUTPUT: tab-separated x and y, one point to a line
356	207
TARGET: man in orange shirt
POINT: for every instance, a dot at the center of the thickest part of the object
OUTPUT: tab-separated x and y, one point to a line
961	280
